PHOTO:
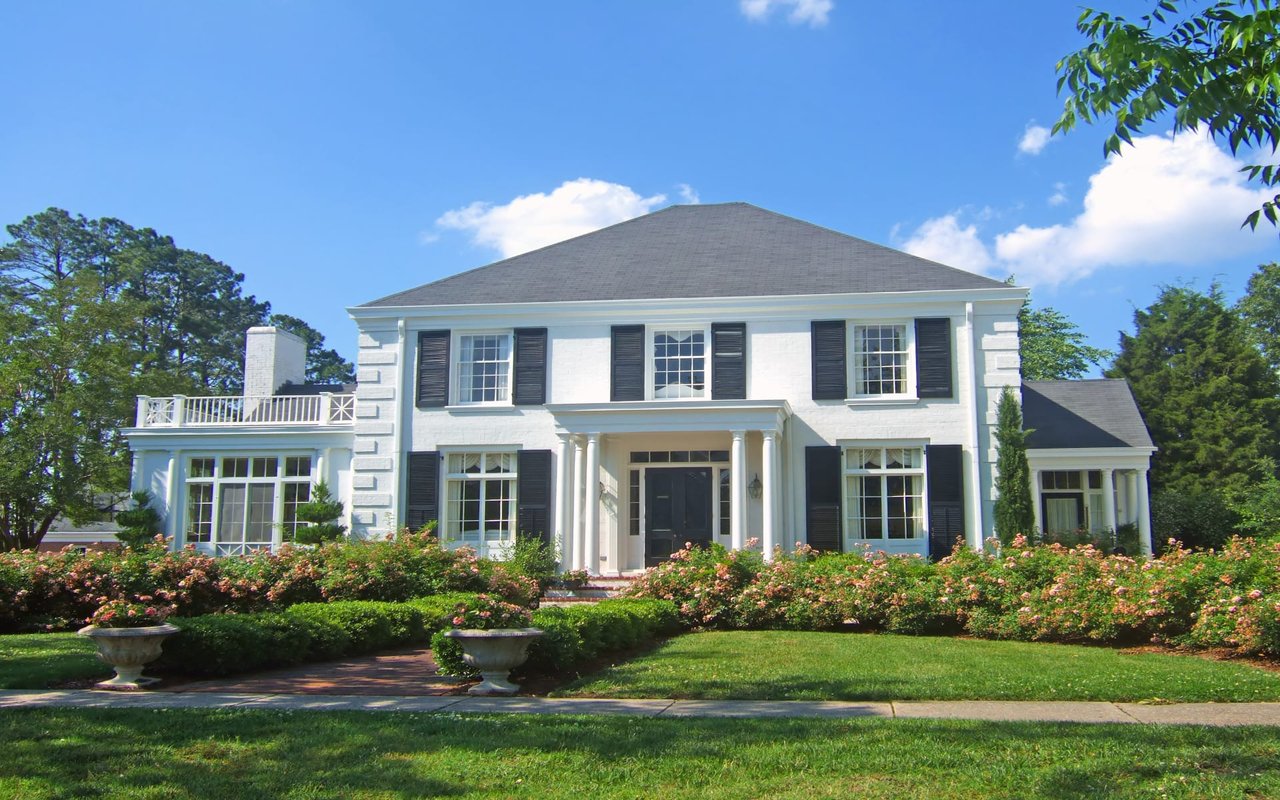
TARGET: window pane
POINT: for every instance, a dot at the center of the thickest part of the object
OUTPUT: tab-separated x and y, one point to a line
483	367
235	468
295	494
726	504
200	511
679	363
262	503
264	467
880	359
202	468
297	467
231	510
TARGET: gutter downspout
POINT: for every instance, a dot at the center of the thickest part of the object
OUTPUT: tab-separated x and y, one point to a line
974	479
401	474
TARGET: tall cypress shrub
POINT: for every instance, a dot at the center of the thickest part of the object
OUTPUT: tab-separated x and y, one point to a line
1014	512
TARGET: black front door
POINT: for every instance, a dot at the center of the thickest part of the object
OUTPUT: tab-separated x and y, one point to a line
677	507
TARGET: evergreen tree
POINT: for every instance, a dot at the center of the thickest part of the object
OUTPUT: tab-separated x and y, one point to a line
1014	510
1260	310
1207	395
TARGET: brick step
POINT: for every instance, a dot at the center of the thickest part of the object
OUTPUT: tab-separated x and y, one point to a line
569	601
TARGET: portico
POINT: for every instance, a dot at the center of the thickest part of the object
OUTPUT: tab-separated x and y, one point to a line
638	480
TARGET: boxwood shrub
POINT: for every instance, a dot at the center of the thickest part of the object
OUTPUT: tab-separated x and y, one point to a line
576	634
220	644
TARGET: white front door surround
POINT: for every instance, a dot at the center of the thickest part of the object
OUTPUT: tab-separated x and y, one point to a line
594	431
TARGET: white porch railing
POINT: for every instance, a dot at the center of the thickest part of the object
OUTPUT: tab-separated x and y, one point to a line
181	411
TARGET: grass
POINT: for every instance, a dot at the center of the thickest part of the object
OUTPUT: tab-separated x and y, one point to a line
41	660
761	665
135	753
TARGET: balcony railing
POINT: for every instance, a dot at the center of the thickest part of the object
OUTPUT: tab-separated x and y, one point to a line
195	412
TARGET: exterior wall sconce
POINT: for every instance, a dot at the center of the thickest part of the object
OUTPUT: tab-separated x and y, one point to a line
755	488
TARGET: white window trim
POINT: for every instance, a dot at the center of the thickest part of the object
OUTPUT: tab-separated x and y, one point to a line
906	397
482	547
650	331
456	400
845	446
217	480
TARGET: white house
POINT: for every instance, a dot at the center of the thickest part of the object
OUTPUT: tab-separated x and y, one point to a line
709	373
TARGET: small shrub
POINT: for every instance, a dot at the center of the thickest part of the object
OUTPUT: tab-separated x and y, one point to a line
140	524
321	513
532	558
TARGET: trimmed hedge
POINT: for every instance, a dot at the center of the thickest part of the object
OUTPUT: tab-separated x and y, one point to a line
573	635
220	644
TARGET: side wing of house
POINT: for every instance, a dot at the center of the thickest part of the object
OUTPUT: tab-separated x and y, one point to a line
1089	453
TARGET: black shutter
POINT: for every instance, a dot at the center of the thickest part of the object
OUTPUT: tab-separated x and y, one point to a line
533	495
531	367
829	368
433	369
729	361
627	374
822	497
422	490
946	498
933	358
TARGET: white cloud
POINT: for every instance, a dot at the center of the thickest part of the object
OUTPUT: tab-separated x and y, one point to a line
688	194
944	240
813	13
1059	195
1034	139
1175	201
535	220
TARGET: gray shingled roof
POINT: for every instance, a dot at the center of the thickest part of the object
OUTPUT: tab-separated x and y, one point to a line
1088	413
723	250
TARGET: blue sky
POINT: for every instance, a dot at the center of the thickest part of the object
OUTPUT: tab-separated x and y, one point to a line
338	152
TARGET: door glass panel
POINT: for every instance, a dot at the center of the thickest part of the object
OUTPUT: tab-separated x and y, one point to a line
1061	514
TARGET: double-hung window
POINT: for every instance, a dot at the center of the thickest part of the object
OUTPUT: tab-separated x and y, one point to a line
678	363
881	359
483	368
884	493
481	492
236	504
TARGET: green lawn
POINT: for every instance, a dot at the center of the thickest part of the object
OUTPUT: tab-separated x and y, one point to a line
759	665
40	660
153	754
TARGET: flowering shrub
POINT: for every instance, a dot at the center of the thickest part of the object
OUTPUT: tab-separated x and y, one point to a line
53	591
1228	599
704	583
130	614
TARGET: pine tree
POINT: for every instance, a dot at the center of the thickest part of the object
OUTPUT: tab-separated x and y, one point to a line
1208	396
1014	512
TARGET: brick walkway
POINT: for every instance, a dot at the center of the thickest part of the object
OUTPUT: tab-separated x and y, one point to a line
404	673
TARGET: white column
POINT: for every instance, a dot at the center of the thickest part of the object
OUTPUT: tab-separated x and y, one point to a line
1131	496
173	491
579	538
1035	500
1109	498
738	491
591	515
564	513
1144	515
769	459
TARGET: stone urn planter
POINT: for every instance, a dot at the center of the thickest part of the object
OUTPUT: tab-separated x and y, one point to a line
494	653
127	651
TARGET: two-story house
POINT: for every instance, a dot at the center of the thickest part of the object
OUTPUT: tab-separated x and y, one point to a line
710	373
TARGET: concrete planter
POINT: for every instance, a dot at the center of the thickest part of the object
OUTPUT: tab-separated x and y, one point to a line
494	653
127	651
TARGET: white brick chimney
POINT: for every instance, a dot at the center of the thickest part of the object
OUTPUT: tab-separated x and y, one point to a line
272	358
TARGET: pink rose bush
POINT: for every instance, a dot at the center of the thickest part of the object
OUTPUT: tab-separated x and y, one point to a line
61	590
1227	599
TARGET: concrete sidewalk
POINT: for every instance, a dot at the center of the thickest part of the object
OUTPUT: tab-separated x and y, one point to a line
1214	714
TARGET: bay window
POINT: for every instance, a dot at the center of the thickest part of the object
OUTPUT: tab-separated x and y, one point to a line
236	504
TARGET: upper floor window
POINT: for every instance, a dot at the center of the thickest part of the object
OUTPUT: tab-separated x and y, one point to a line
484	368
881	357
679	365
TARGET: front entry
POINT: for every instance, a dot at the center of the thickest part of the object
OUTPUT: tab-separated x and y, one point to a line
677	510
1063	512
